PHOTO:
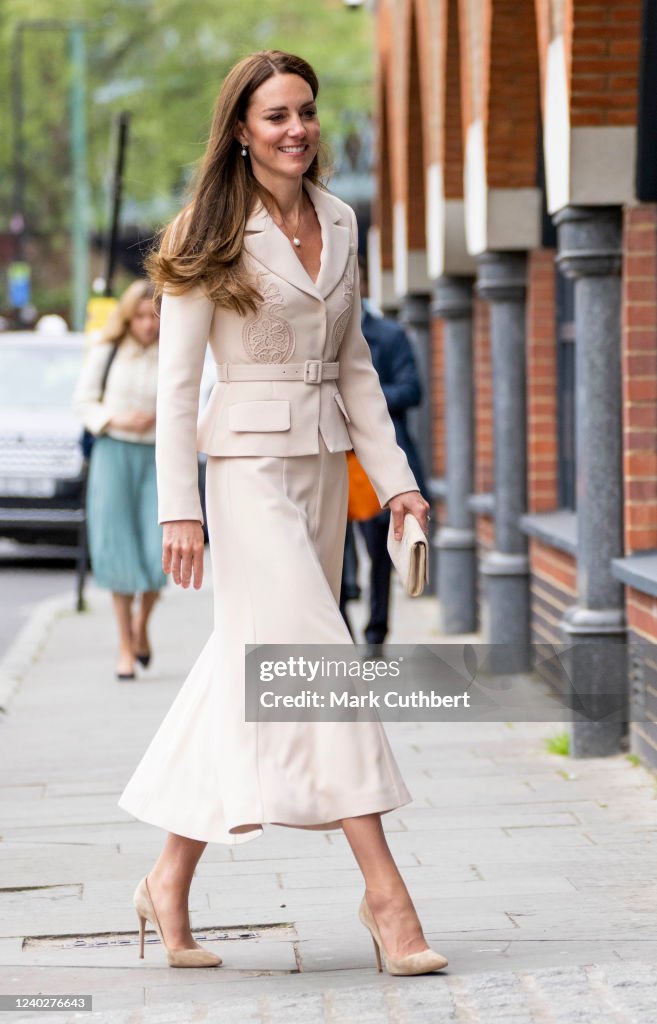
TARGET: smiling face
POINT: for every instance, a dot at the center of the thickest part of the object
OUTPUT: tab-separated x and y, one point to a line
281	128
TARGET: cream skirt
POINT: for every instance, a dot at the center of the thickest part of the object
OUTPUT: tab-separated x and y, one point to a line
277	527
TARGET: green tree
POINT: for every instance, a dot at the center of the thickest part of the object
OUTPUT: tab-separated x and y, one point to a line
164	61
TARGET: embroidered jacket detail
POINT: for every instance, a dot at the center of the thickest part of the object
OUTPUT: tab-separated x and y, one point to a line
342	319
267	336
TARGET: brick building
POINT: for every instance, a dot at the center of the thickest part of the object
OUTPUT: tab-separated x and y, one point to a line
514	231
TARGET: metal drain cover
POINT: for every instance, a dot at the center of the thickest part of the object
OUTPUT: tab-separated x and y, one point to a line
235	933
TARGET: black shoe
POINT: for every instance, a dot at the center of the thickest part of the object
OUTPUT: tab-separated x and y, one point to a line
125	675
143	659
374	651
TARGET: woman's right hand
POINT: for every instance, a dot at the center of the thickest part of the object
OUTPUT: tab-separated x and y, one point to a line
183	545
139	422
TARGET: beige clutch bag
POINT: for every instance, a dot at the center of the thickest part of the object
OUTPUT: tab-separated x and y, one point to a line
410	555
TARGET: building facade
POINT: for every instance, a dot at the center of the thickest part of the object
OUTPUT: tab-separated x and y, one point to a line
514	232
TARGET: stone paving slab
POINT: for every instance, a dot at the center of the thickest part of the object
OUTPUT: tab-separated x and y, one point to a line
533	873
611	993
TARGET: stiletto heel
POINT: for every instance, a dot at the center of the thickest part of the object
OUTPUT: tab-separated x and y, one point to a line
378	956
415	963
197	957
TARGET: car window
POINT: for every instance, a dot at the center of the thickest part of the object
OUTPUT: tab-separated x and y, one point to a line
38	377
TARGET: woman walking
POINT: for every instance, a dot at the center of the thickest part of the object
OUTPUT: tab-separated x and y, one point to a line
263	262
115	398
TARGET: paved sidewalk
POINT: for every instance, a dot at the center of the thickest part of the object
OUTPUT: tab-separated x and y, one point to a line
533	873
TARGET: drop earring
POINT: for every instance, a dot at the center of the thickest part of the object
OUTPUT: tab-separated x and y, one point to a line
244	149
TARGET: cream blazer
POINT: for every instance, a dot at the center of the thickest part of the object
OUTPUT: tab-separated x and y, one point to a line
298	320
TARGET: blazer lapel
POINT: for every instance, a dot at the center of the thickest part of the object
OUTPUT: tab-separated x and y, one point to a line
265	241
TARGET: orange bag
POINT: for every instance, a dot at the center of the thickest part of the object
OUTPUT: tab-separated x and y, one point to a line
363	502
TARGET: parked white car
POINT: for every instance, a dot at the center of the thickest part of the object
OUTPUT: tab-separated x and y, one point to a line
41	464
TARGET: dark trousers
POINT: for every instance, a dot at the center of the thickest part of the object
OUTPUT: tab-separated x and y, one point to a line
349	589
375	534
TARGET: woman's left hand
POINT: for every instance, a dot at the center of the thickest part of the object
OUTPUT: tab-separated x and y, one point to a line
409	501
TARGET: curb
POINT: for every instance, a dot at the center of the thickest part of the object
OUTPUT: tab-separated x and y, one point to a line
27	646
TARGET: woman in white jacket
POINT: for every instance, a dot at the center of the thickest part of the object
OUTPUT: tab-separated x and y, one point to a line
262	263
125	539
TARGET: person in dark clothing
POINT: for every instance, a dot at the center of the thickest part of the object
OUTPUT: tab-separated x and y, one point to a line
395	364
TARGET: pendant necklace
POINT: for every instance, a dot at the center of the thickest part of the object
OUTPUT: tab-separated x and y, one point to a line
295	237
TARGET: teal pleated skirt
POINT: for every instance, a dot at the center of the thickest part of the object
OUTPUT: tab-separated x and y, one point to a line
125	538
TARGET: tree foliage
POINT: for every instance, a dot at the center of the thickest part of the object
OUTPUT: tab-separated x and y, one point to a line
162	60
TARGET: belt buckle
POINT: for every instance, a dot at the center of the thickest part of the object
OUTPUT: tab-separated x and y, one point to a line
312	371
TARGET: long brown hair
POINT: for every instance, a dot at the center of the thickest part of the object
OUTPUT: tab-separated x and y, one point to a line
117	327
203	244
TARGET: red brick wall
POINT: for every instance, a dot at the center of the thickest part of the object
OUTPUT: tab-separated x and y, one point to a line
483	398
604	62
485	540
643	609
553	588
438	397
483	415
485	530
382	206
395	15
513	96
474	37
500	85
639	366
544	30
415	162
382	203
541	383
453	142
601	41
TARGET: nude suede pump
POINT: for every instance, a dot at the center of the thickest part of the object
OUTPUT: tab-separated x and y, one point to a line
177	957
414	963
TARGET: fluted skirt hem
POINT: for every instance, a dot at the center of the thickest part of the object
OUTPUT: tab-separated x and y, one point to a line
277	527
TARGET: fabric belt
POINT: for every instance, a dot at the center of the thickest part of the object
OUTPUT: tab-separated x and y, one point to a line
313	371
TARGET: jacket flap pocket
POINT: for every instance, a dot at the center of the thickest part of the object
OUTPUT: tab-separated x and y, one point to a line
341	406
264	415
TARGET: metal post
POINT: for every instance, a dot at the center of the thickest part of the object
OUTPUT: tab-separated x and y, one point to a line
122	125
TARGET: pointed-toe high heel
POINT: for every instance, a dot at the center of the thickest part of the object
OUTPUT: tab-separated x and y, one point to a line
415	963
177	957
144	659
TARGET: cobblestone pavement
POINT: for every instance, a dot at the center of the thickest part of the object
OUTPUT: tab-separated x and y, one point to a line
533	873
614	993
